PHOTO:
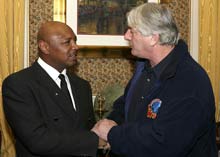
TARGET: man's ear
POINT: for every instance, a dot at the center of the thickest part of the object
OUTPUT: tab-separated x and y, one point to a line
43	46
154	39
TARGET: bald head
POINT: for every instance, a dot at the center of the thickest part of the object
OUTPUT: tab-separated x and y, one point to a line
50	28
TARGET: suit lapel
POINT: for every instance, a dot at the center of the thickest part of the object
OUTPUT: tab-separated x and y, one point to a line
74	86
54	92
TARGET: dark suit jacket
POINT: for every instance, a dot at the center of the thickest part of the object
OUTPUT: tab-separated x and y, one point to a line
185	123
41	120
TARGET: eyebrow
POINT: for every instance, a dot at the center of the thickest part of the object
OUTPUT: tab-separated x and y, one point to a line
70	38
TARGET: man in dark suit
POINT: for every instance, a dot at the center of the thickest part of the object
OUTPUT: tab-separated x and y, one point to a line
44	119
168	107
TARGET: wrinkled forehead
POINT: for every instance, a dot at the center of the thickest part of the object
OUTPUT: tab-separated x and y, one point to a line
62	32
52	29
61	38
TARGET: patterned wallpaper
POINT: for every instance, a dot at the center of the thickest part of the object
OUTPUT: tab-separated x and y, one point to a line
181	12
101	70
39	11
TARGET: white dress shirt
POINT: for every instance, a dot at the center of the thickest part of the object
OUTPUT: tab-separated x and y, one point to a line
54	74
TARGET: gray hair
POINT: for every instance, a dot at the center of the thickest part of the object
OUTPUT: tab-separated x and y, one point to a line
152	18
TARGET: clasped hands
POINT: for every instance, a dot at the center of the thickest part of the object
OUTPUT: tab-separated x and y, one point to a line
102	128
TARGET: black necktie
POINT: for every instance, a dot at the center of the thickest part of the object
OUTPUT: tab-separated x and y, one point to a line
64	87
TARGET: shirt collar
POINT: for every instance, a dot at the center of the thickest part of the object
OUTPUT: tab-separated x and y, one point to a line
52	72
159	68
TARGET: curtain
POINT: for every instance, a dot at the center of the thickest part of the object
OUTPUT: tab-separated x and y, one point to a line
209	55
59	10
11	58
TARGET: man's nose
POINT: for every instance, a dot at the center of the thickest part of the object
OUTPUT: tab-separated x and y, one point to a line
74	45
127	35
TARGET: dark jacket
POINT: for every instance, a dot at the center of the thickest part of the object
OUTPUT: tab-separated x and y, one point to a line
184	125
41	120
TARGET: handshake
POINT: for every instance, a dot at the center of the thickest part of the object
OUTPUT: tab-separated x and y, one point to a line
102	128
